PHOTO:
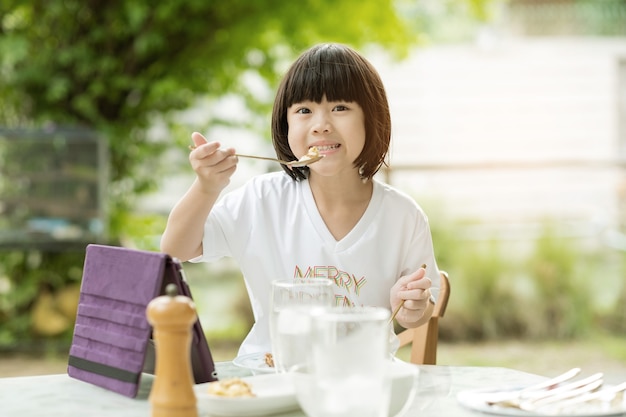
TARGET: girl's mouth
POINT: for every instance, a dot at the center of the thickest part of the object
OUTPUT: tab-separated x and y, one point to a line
326	148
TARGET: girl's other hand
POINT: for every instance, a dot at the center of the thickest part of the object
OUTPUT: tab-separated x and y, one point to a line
414	291
213	166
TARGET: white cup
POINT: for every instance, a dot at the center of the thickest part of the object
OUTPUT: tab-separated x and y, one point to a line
348	365
291	305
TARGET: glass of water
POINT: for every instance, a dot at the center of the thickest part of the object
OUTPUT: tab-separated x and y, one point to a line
349	362
291	305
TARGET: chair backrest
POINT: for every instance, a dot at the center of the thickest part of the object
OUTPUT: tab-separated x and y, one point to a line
425	337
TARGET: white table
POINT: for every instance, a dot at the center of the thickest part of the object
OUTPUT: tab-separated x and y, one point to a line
60	395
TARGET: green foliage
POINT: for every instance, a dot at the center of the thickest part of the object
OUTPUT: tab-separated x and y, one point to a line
113	66
24	276
443	21
562	299
142	230
615	319
552	291
488	292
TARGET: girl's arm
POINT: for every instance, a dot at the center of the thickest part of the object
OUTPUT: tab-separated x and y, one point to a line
184	231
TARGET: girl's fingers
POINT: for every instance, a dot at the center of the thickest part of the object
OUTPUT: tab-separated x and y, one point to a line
419	284
415	276
198	139
418	303
415	295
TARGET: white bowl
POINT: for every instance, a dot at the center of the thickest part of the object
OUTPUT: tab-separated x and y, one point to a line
255	363
403	386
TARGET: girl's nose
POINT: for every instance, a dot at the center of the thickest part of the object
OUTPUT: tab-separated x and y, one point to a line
322	125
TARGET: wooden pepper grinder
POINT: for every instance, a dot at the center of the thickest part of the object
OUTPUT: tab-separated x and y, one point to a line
172	317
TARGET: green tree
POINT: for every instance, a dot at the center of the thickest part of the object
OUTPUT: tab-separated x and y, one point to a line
112	66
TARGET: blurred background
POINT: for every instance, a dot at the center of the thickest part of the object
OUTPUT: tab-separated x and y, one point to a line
509	128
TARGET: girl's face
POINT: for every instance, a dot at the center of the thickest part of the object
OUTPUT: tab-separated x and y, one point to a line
336	128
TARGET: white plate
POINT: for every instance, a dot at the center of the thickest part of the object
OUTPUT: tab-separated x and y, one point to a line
473	400
254	362
275	393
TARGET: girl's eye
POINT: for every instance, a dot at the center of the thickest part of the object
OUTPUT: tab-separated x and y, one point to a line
303	110
341	107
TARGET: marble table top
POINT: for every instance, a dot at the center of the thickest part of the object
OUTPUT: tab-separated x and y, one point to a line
62	396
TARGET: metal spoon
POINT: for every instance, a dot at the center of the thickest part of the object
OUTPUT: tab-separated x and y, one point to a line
302	162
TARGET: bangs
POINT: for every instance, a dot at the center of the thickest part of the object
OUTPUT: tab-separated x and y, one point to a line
326	71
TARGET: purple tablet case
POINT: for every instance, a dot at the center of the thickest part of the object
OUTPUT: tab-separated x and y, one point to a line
112	344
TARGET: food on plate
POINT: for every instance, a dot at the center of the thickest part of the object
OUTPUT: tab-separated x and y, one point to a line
269	360
232	387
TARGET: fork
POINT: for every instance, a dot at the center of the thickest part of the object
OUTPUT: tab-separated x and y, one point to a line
606	395
497	398
564	393
531	398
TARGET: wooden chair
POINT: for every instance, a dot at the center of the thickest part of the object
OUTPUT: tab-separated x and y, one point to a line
424	338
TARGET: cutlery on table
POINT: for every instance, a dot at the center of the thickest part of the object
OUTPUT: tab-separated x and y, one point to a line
540	395
512	396
564	393
604	396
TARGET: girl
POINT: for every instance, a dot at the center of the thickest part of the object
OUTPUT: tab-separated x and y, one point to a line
329	220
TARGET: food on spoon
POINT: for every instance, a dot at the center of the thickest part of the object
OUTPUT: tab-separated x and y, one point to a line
313	153
269	360
232	387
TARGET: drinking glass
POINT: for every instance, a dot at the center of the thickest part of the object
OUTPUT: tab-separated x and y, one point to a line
349	362
291	305
404	381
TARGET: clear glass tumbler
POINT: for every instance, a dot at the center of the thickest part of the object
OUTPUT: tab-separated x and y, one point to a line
291	305
349	362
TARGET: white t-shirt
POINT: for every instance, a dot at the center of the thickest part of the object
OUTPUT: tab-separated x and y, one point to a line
272	228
